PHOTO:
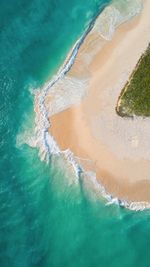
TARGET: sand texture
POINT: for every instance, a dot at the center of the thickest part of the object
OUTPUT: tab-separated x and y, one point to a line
119	148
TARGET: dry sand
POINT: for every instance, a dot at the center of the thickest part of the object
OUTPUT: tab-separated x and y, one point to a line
119	148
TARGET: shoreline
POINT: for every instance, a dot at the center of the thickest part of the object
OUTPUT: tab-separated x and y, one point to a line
79	119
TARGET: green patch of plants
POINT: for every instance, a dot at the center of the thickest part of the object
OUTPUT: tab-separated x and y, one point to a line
135	96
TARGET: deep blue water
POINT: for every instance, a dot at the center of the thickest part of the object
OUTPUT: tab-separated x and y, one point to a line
46	219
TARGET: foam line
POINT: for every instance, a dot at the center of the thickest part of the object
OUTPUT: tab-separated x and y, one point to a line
42	119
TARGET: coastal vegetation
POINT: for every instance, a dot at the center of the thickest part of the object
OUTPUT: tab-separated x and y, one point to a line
135	96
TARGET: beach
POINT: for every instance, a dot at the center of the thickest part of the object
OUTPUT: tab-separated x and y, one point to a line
118	148
69	163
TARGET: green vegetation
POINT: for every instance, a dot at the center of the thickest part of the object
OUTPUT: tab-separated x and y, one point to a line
135	97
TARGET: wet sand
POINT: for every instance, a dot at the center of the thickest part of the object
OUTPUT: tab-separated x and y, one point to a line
119	148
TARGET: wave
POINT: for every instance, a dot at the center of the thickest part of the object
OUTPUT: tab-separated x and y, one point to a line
109	19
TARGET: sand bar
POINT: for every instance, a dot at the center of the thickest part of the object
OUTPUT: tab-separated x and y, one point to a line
119	148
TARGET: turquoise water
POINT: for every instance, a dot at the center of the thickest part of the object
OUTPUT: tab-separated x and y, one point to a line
46	218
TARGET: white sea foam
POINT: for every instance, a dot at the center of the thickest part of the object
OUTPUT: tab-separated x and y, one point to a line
26	138
134	206
65	93
45	142
115	14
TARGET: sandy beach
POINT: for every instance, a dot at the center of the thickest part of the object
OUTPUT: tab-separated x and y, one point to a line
118	148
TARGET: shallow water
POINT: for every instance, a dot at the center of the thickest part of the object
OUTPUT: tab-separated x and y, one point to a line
47	218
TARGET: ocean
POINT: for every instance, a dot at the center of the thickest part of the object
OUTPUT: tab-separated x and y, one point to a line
48	217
